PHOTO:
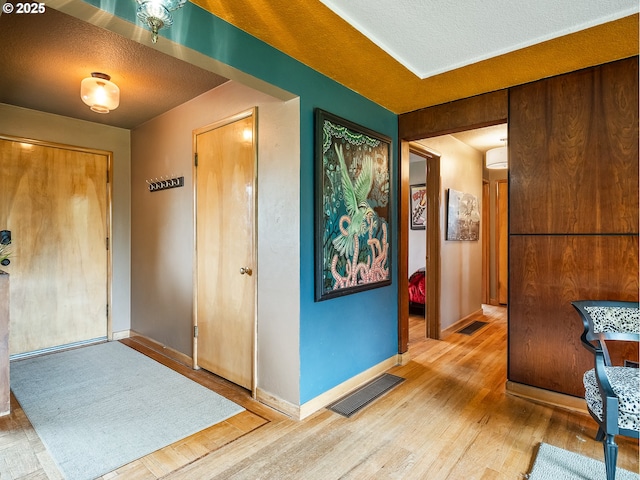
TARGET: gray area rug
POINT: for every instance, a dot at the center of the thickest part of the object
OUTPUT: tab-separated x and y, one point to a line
553	463
99	407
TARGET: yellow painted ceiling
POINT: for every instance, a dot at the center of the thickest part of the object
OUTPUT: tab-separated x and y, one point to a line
311	33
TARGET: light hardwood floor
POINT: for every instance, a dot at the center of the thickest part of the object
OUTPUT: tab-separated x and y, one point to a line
450	420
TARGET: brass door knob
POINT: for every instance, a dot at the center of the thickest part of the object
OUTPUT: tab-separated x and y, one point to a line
245	270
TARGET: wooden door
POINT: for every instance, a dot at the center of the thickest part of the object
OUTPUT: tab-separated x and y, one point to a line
225	265
54	200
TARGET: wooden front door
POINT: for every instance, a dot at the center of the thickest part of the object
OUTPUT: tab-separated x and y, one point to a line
54	201
225	231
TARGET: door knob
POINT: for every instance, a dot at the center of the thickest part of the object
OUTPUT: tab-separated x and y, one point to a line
245	270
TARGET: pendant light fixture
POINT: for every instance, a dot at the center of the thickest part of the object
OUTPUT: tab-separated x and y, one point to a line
497	157
157	14
100	93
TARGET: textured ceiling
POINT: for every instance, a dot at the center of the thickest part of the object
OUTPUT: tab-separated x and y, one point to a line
432	37
312	33
44	57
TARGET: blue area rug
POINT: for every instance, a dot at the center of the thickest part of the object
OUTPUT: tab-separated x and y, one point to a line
99	407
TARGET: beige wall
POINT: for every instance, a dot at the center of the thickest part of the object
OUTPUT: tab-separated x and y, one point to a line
163	229
32	124
461	261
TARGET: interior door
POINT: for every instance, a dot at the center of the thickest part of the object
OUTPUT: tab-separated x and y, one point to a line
225	265
502	239
54	201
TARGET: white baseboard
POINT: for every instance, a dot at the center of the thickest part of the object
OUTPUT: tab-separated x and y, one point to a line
121	334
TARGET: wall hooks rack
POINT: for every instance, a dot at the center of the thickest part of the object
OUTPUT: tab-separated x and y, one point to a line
163	183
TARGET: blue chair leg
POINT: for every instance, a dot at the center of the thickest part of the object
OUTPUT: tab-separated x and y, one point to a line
610	456
600	434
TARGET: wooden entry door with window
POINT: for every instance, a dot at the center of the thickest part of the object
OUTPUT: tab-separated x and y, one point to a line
225	248
54	199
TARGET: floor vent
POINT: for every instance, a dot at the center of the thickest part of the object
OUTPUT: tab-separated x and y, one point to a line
362	397
472	328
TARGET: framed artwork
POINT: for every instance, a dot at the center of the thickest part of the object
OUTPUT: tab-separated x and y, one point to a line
418	206
353	207
463	216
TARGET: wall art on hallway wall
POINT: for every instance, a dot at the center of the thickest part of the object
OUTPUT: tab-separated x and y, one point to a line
353	207
463	216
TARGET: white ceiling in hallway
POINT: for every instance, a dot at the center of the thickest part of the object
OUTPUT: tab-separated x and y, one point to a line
430	37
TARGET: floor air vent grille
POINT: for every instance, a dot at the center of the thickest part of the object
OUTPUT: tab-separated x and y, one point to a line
366	394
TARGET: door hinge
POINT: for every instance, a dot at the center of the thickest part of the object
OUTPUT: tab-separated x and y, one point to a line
107	242
195	156
195	331
107	310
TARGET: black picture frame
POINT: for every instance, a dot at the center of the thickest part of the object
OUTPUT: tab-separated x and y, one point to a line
352	211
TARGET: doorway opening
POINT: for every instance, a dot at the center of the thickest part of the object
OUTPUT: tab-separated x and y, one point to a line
480	140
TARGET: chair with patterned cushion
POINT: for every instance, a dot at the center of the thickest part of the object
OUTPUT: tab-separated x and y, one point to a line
611	391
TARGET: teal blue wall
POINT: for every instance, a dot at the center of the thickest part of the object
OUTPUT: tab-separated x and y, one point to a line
344	336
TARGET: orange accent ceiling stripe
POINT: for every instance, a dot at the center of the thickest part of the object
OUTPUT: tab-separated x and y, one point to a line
311	33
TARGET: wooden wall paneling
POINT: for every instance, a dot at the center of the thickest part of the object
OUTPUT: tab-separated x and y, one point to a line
466	114
547	273
571	140
573	215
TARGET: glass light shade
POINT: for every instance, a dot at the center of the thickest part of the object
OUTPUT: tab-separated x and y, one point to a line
497	158
99	93
157	14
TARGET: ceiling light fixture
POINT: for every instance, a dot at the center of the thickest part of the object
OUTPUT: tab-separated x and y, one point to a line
157	14
100	93
498	157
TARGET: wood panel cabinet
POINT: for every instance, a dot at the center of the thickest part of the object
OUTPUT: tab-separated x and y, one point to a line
544	329
573	215
573	152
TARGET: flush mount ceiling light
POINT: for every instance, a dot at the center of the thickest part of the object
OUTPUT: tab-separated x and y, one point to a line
157	14
100	93
497	157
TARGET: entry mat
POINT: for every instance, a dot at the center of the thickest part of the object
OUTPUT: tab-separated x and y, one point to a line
472	328
357	400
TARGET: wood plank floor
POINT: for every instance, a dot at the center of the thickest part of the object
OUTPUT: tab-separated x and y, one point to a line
450	420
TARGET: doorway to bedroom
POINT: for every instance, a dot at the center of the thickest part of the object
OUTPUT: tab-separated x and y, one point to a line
424	238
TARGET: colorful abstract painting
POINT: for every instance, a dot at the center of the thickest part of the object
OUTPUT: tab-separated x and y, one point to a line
352	207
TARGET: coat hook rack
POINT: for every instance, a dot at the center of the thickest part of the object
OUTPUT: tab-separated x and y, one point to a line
163	183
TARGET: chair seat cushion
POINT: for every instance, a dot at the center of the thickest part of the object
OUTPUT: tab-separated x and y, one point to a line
625	382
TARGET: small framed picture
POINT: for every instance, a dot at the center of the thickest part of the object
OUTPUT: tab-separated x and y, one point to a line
418	206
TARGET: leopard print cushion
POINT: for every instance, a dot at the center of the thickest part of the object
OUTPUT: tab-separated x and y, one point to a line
625	382
615	319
